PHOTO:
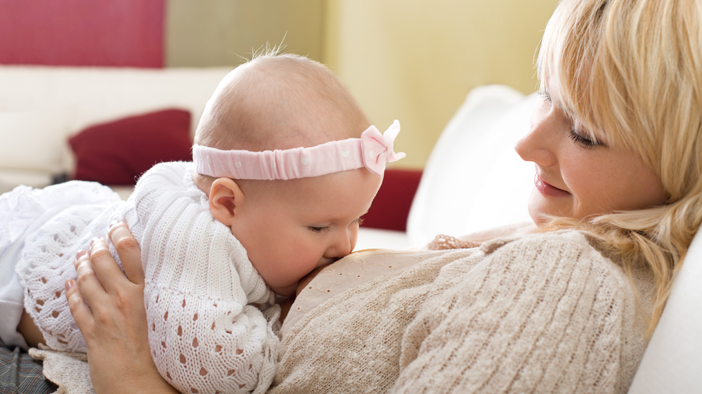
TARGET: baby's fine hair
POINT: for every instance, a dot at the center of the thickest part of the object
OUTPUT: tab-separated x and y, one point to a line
632	70
279	101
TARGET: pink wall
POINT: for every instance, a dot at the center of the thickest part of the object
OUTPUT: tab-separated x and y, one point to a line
82	32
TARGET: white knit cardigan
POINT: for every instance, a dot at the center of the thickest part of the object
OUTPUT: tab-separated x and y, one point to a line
212	320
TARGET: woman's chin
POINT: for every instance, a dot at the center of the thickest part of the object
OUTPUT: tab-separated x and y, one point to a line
538	219
540	210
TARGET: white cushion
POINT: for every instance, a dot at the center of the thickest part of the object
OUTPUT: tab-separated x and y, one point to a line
34	140
102	94
673	359
474	180
373	238
9	179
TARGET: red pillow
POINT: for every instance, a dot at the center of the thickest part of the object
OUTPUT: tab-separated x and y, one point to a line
118	152
392	204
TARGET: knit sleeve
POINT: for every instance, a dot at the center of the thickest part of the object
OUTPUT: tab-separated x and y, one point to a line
551	316
204	345
212	320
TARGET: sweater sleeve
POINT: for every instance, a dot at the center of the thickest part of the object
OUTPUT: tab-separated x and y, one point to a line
212	320
552	316
204	345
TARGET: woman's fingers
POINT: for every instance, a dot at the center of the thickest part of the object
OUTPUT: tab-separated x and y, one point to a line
90	287
80	311
129	252
114	322
101	260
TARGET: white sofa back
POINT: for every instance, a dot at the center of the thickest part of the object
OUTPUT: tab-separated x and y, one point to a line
69	99
474	180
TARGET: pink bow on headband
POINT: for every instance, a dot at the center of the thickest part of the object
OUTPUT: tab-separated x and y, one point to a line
379	148
372	151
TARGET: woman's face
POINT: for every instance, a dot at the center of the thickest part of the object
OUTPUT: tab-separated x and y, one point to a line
576	176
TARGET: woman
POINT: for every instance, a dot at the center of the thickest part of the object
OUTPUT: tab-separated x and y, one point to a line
616	145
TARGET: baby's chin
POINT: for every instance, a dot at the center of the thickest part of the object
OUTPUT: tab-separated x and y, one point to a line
287	291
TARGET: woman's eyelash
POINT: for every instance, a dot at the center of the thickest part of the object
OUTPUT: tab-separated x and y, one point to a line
545	95
359	221
584	142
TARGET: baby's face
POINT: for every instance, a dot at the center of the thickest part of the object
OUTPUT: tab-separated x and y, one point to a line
303	224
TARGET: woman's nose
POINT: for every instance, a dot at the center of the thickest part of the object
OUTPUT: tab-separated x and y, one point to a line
538	144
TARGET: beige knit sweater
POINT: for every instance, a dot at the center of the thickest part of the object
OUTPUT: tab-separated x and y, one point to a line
543	313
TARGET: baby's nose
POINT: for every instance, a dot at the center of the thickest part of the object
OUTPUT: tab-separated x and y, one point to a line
341	247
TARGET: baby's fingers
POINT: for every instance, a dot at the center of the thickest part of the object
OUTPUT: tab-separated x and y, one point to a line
80	311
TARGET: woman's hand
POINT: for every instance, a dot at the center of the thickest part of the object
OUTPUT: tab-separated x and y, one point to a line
114	326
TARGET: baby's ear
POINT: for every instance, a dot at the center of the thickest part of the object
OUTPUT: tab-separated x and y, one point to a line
225	199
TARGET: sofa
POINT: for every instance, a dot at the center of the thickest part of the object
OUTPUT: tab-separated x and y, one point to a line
473	179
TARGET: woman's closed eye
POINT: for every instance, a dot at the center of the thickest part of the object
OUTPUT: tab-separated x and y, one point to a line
359	221
585	142
545	95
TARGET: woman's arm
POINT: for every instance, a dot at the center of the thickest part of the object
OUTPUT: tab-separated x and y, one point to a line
114	326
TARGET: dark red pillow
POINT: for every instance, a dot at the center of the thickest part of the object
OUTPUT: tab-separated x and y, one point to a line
392	204
118	152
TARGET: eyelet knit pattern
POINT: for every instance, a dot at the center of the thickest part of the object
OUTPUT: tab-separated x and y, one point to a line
205	334
55	222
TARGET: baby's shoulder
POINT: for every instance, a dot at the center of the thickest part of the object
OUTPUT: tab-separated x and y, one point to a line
164	177
167	170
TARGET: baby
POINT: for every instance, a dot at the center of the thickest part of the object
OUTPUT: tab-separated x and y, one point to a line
284	165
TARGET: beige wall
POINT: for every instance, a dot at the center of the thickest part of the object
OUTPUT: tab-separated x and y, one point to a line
412	60
205	33
416	60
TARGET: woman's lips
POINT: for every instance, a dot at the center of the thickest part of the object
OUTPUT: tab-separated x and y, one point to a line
547	190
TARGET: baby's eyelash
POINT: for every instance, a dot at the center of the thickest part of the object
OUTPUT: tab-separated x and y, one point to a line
320	229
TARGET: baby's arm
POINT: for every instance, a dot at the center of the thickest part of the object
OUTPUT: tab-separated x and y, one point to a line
201	344
30	331
114	326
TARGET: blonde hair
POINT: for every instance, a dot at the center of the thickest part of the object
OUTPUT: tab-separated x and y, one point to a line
633	69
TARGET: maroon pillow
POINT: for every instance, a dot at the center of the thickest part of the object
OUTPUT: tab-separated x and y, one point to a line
392	204
118	152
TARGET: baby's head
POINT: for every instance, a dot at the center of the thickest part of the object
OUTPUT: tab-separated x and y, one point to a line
289	220
279	102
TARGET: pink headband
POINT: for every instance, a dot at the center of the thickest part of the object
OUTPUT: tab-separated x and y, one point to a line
372	150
